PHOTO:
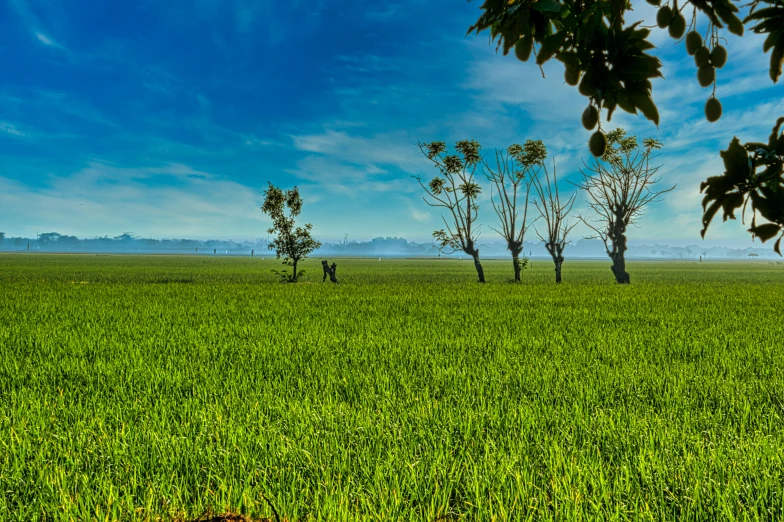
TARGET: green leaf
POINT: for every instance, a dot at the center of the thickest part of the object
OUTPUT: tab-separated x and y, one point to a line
626	104
767	26
707	217
777	61
645	103
736	160
764	13
550	46
766	231
568	57
636	68
731	203
771	40
548	6
734	24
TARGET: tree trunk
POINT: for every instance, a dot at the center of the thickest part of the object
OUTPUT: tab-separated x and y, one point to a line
558	263
330	271
294	276
479	270
618	255
619	269
517	269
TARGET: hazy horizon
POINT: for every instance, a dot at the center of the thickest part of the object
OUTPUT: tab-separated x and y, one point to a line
494	242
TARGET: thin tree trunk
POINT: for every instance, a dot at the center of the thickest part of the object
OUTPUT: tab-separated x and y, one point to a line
517	268
558	263
479	270
294	276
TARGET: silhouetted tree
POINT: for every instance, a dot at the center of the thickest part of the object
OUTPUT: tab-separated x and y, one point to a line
330	271
618	186
293	244
554	213
742	184
608	61
513	170
456	191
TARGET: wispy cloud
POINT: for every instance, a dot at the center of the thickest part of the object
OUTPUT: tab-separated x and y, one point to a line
103	198
46	40
11	130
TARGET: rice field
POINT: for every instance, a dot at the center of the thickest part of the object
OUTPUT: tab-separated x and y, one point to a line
161	387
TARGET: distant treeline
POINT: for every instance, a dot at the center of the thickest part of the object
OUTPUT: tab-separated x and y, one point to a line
379	246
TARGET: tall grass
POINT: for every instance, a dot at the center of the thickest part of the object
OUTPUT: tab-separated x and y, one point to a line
136	388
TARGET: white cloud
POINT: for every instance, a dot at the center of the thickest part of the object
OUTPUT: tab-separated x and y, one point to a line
395	149
45	39
11	130
420	216
103	198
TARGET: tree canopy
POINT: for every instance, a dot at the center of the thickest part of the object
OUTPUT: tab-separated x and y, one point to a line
291	242
612	64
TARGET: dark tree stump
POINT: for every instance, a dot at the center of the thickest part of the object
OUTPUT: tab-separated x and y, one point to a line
329	270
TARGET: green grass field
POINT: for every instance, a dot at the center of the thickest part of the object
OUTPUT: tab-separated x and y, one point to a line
144	388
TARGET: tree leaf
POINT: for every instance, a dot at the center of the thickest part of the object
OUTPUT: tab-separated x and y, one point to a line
731	203
645	103
736	160
626	104
771	40
550	46
766	231
725	12
764	13
548	6
707	217
777	61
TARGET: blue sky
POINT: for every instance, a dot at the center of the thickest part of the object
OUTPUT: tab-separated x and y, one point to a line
167	119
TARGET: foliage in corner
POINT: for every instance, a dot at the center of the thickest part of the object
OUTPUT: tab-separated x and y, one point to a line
610	61
741	184
610	64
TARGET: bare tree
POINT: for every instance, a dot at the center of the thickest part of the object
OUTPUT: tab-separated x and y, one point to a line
554	213
619	188
455	191
513	170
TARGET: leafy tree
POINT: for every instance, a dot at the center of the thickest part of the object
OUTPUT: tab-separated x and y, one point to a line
48	237
741	184
619	189
609	62
512	170
293	244
456	191
554	213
